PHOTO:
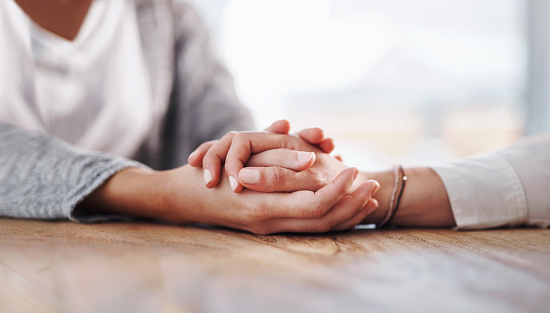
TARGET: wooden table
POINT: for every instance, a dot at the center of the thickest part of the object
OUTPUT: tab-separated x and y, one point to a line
141	267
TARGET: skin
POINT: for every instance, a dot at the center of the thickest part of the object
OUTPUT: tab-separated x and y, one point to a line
211	155
173	195
179	196
424	202
61	17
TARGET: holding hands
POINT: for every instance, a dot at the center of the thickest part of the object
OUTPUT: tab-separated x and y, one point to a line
274	149
271	182
274	161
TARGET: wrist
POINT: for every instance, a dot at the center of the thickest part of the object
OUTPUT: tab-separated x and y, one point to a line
131	191
182	195
424	202
386	180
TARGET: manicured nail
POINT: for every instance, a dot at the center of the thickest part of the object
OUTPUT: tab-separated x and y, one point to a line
249	176
233	182
207	177
192	155
304	156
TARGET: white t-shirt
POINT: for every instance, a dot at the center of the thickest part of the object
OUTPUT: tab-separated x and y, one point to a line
92	92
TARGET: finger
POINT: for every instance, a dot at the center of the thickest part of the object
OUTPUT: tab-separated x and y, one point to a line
279	127
348	210
195	158
213	159
312	135
372	205
308	204
245	144
315	136
327	145
290	159
276	179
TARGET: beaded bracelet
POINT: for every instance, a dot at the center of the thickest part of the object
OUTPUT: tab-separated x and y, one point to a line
396	196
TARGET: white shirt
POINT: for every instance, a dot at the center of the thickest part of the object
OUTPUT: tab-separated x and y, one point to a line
92	92
504	188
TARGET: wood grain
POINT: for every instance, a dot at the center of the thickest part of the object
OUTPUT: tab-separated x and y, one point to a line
140	267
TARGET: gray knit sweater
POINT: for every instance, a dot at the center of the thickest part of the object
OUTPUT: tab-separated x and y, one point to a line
194	101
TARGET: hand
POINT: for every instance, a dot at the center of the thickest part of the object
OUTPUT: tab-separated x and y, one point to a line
177	196
277	169
274	171
211	155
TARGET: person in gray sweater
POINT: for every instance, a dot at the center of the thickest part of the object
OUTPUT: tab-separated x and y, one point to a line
52	166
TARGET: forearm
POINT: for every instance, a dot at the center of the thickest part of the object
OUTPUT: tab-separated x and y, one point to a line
132	192
175	196
145	193
424	202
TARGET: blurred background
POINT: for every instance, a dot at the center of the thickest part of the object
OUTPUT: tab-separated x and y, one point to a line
394	81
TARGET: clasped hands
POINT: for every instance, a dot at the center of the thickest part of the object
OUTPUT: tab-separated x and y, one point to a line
275	182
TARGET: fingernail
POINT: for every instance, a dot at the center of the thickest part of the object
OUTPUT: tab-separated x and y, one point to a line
233	182
375	188
192	155
304	156
249	176
370	188
207	177
355	174
370	207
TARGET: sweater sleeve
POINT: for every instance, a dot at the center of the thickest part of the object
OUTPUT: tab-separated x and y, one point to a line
204	82
204	104
42	177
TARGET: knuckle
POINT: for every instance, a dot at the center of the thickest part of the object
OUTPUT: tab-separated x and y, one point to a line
260	229
353	202
324	226
279	176
317	210
226	169
211	159
211	153
239	137
208	143
229	136
319	180
208	159
254	228
280	156
203	146
349	198
257	213
241	140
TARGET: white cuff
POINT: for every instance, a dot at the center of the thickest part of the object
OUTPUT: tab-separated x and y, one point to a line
484	191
